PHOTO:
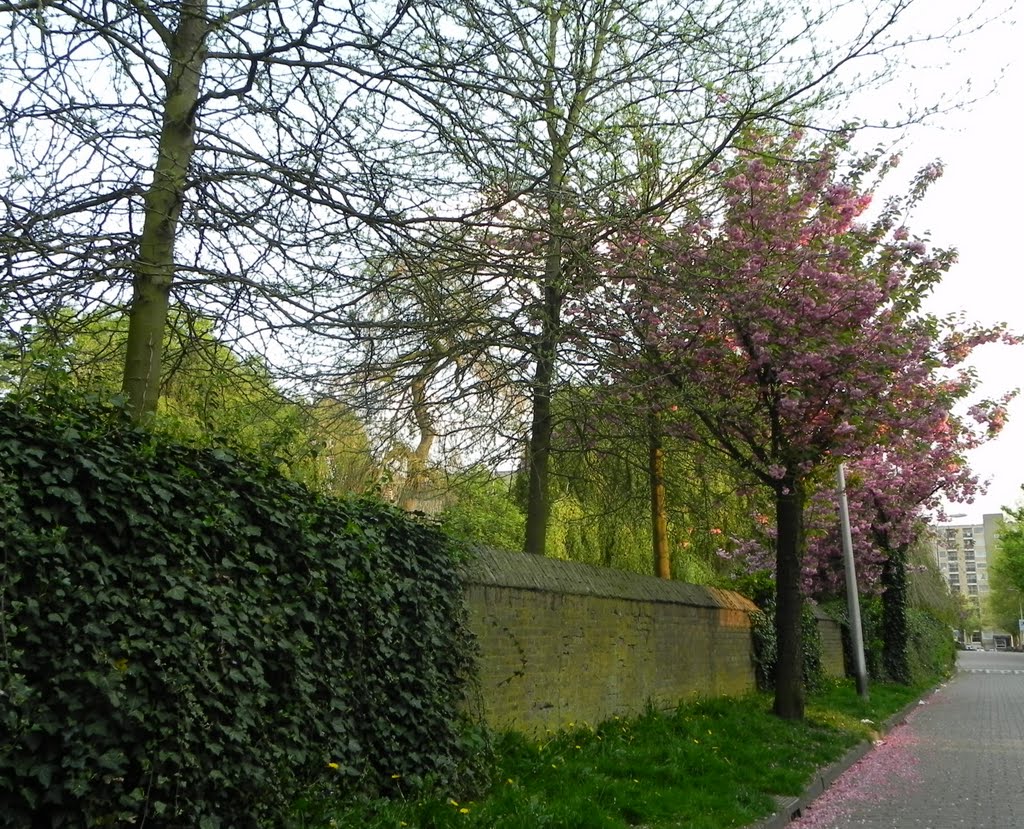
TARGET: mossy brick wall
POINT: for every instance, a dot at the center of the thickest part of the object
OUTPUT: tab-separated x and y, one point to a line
831	644
565	642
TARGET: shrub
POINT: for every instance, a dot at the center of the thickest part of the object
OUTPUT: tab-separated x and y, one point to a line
188	639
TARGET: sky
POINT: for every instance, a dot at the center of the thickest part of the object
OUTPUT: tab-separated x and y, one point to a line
976	207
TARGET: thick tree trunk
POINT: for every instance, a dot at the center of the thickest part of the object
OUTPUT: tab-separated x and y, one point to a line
153	269
562	119
789	681
538	505
895	630
659	517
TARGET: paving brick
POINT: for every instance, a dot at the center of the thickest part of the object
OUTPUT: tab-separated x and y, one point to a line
957	762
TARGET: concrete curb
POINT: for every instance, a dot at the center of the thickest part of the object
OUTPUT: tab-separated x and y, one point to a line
790	808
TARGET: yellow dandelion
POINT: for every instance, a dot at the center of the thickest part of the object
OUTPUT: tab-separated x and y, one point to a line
453	802
463	811
333	766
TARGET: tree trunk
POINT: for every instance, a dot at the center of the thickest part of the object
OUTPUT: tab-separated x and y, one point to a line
895	630
562	119
659	518
789	680
538	506
416	474
153	269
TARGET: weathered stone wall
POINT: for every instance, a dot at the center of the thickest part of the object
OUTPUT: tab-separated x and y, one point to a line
565	642
831	644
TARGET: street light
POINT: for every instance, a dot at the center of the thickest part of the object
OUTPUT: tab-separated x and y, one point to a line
852	599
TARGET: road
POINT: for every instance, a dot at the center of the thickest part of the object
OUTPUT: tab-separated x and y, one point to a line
957	763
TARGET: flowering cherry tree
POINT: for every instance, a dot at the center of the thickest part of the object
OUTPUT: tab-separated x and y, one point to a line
895	482
786	334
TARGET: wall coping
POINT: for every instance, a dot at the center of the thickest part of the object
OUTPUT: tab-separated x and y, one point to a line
820	614
489	567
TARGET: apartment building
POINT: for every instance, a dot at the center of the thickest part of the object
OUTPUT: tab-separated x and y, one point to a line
962	552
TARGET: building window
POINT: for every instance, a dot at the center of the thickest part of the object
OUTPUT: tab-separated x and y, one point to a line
971	566
972	578
968	543
972	589
968	532
969	555
954	586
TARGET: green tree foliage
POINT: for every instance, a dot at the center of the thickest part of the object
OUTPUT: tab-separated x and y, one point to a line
1006	571
601	489
210	395
191	640
601	499
484	512
566	122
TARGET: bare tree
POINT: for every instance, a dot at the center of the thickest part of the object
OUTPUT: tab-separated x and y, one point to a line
228	156
252	160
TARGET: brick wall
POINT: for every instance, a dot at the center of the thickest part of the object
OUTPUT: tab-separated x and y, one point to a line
831	644
566	642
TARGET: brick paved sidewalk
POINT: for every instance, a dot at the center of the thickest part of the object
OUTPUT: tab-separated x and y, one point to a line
958	761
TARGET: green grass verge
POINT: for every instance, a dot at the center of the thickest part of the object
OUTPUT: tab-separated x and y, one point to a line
710	764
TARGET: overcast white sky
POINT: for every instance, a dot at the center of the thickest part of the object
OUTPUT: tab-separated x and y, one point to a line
976	207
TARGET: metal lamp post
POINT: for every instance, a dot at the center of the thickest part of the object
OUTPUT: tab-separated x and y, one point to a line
852	597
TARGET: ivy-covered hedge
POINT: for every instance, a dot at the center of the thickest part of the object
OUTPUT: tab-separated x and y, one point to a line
871	625
187	639
931	651
766	649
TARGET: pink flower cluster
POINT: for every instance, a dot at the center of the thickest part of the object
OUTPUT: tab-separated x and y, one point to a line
786	335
